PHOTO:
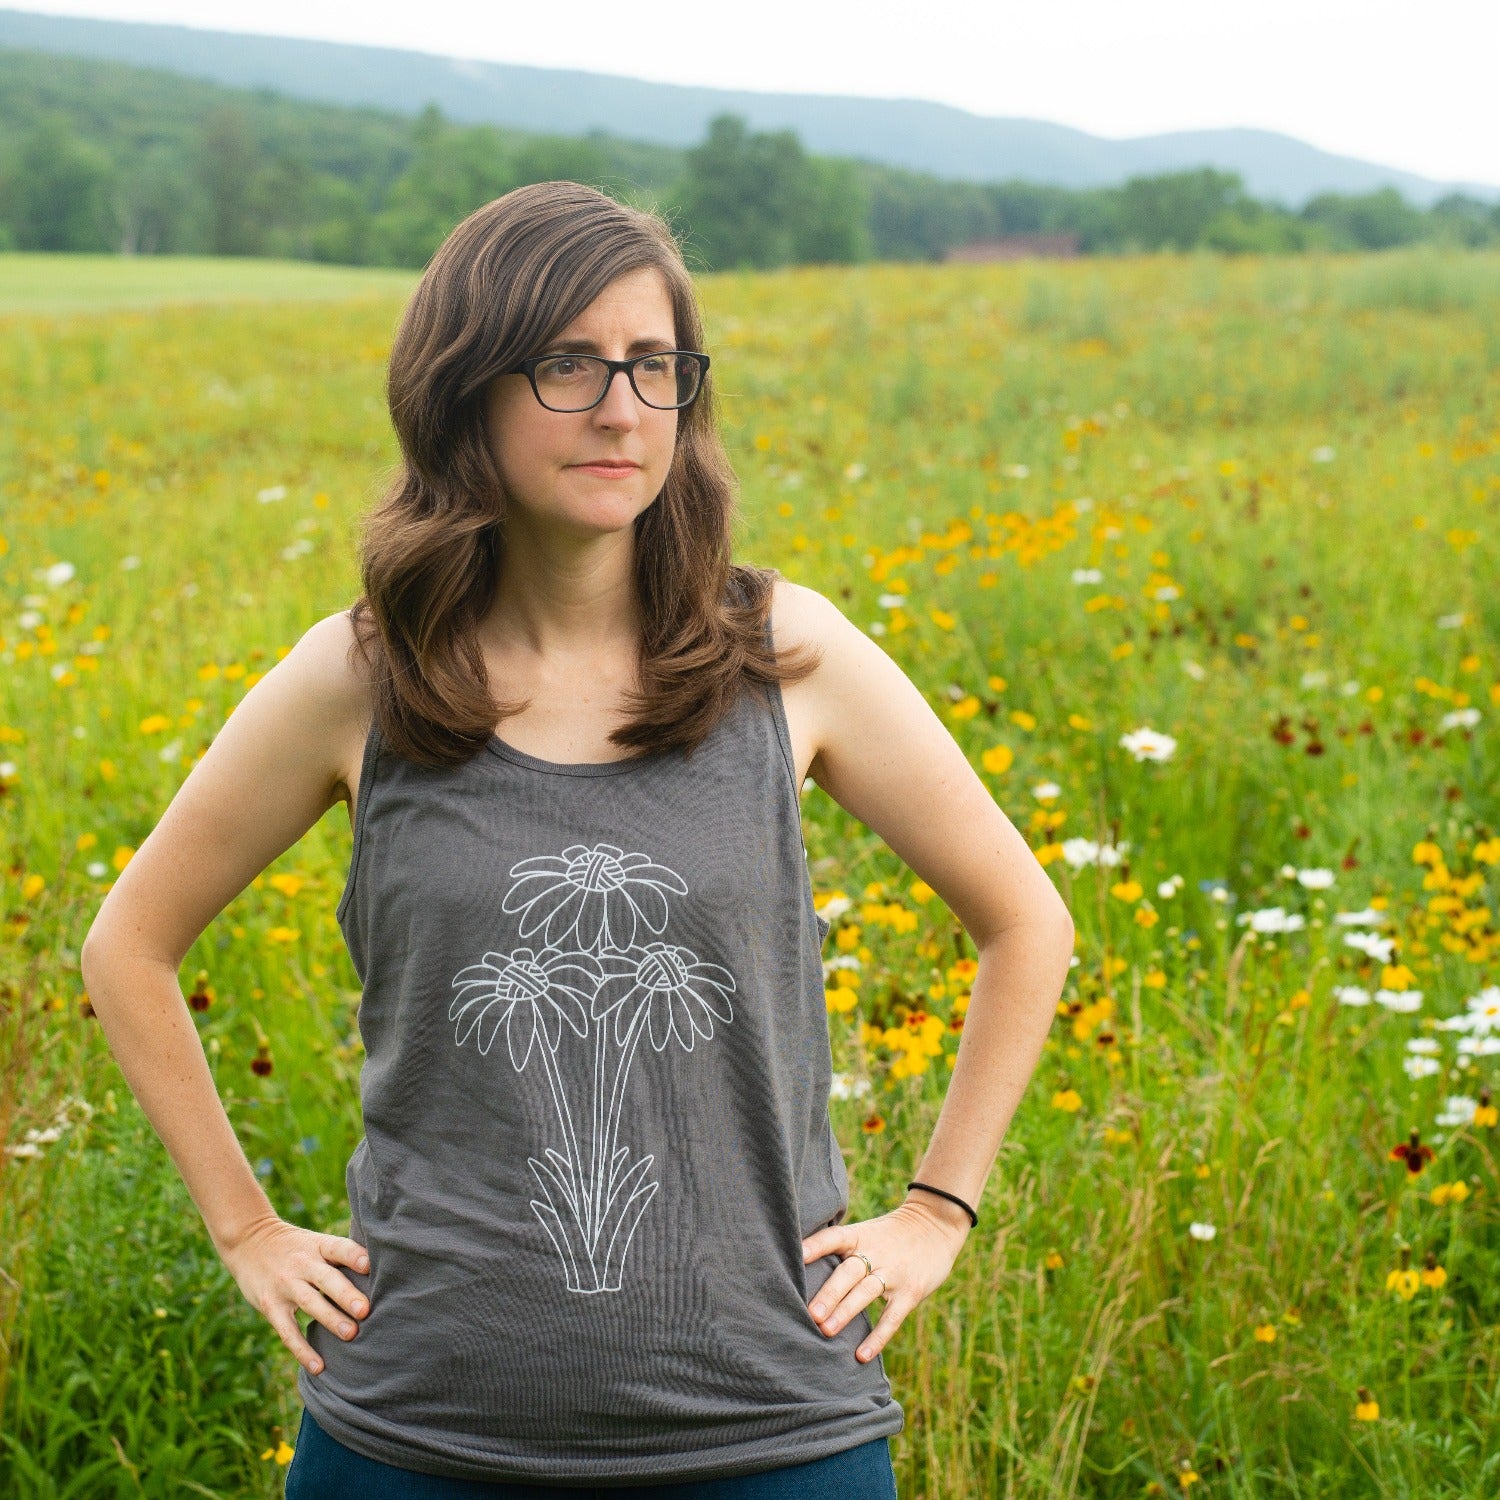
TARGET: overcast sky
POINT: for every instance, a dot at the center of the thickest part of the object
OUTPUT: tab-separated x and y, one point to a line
1411	86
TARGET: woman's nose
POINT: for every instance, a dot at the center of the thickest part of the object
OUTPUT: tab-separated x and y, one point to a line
619	406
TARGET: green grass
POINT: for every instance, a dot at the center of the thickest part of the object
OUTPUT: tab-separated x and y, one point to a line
1247	504
91	283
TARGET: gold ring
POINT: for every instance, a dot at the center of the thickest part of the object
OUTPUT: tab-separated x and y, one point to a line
869	1269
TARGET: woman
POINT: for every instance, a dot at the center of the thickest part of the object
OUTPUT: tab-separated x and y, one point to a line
597	1228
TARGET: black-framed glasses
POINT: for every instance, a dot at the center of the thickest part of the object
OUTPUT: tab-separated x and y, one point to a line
667	379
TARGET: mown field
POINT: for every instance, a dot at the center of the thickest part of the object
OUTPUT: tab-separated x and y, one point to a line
1197	558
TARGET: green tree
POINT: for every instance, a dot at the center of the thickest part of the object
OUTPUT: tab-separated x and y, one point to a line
153	209
56	194
228	171
831	214
736	195
1458	219
555	158
453	171
1256	228
1173	210
757	200
1371	221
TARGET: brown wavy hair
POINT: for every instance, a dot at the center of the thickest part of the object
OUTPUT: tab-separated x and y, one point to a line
504	284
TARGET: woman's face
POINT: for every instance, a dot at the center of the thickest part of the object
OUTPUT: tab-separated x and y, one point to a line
539	453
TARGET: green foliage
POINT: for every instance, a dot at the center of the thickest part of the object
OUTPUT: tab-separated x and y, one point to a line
756	201
1374	221
102	156
56	190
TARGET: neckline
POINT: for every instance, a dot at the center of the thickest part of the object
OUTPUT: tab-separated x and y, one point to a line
497	746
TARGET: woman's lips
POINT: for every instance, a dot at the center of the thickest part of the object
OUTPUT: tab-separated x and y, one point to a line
608	471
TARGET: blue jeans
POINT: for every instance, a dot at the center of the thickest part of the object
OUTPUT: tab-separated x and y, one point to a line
324	1469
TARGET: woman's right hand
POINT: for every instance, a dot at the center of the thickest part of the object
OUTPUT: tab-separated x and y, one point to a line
281	1268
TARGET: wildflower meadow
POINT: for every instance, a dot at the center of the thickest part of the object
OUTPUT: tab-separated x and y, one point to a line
1197	559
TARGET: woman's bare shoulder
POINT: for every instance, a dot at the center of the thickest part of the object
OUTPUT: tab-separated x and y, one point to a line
335	685
798	614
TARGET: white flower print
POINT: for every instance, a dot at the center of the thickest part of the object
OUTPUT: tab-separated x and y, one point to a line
679	995
529	992
587	907
597	894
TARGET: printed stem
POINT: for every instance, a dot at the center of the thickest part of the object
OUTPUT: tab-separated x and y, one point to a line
601	1047
565	1115
627	1053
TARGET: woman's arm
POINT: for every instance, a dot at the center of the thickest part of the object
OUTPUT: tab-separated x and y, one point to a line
885	757
274	768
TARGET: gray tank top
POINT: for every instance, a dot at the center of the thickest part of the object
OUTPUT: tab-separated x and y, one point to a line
595	1101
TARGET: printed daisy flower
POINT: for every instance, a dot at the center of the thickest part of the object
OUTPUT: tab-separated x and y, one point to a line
681	995
526	991
596	897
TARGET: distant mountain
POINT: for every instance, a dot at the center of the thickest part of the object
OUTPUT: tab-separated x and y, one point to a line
909	133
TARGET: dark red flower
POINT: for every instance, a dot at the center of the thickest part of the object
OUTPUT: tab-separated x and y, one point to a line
1413	1153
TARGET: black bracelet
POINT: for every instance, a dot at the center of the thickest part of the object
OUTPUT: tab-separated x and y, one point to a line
952	1198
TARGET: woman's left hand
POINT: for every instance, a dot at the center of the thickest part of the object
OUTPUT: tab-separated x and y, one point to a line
912	1248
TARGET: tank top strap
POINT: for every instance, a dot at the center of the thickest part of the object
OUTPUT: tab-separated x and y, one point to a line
369	771
777	705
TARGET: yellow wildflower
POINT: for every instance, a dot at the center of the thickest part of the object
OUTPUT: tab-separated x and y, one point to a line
1403	1283
997	759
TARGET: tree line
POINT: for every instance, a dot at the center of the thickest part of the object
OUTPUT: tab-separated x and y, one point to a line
99	156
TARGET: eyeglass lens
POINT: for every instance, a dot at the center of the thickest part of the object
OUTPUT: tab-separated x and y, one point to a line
574	382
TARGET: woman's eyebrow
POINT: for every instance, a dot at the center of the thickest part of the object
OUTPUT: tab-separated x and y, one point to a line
588	346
